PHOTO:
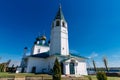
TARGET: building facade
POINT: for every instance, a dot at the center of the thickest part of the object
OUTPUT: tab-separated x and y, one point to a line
43	54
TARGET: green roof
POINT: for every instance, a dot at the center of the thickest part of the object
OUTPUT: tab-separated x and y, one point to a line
60	14
70	56
74	55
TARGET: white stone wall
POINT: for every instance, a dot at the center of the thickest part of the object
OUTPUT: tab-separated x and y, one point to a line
64	41
59	39
47	64
55	41
42	49
81	68
39	63
51	61
66	68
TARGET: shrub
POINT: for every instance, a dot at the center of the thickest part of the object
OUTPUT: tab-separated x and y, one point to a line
56	70
101	76
89	78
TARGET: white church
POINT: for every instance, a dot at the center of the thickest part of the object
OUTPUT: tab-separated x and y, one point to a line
43	54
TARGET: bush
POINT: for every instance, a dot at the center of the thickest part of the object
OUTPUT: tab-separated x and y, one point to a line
89	78
101	76
56	70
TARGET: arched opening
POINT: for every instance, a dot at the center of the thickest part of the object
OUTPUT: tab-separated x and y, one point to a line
34	69
57	23
62	72
22	71
72	68
63	24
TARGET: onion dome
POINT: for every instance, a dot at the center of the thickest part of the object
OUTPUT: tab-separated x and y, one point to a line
43	37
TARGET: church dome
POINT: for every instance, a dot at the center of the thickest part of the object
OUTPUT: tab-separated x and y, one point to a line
43	37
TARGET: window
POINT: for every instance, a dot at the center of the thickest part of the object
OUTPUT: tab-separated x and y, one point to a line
63	24
38	50
57	23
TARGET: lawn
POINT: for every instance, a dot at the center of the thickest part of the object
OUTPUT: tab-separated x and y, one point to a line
109	78
22	75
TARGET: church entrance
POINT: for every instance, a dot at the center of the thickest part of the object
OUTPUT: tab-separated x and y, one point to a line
22	71
72	69
33	69
62	68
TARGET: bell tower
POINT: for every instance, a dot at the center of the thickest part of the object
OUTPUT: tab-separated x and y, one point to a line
59	35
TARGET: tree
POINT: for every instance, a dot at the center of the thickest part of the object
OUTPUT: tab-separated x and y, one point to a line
101	76
94	66
105	63
56	70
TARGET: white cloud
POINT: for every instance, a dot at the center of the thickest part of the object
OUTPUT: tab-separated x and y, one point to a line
27	53
74	51
93	55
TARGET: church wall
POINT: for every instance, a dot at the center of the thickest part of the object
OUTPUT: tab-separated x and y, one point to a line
64	41
51	61
39	63
40	49
66	68
81	68
55	41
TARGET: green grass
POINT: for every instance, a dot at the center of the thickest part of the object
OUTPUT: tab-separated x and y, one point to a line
109	78
22	75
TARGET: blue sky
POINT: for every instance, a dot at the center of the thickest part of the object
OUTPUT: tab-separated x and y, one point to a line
93	27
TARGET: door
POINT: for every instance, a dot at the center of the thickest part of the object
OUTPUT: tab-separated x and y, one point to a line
33	69
62	68
72	69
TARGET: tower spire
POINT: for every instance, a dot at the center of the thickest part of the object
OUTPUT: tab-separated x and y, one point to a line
59	35
59	5
59	14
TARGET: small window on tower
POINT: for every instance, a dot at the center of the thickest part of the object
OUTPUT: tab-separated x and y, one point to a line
63	24
38	50
57	23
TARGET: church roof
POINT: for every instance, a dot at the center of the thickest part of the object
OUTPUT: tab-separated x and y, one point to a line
41	55
46	54
65	58
59	14
74	55
70	56
45	45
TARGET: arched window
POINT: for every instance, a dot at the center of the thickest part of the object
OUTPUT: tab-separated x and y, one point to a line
57	23
63	24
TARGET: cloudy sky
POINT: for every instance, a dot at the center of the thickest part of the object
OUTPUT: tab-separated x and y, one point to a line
94	27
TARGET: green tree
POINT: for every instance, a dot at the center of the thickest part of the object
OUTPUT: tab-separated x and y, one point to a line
101	76
94	66
105	63
2	67
56	70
